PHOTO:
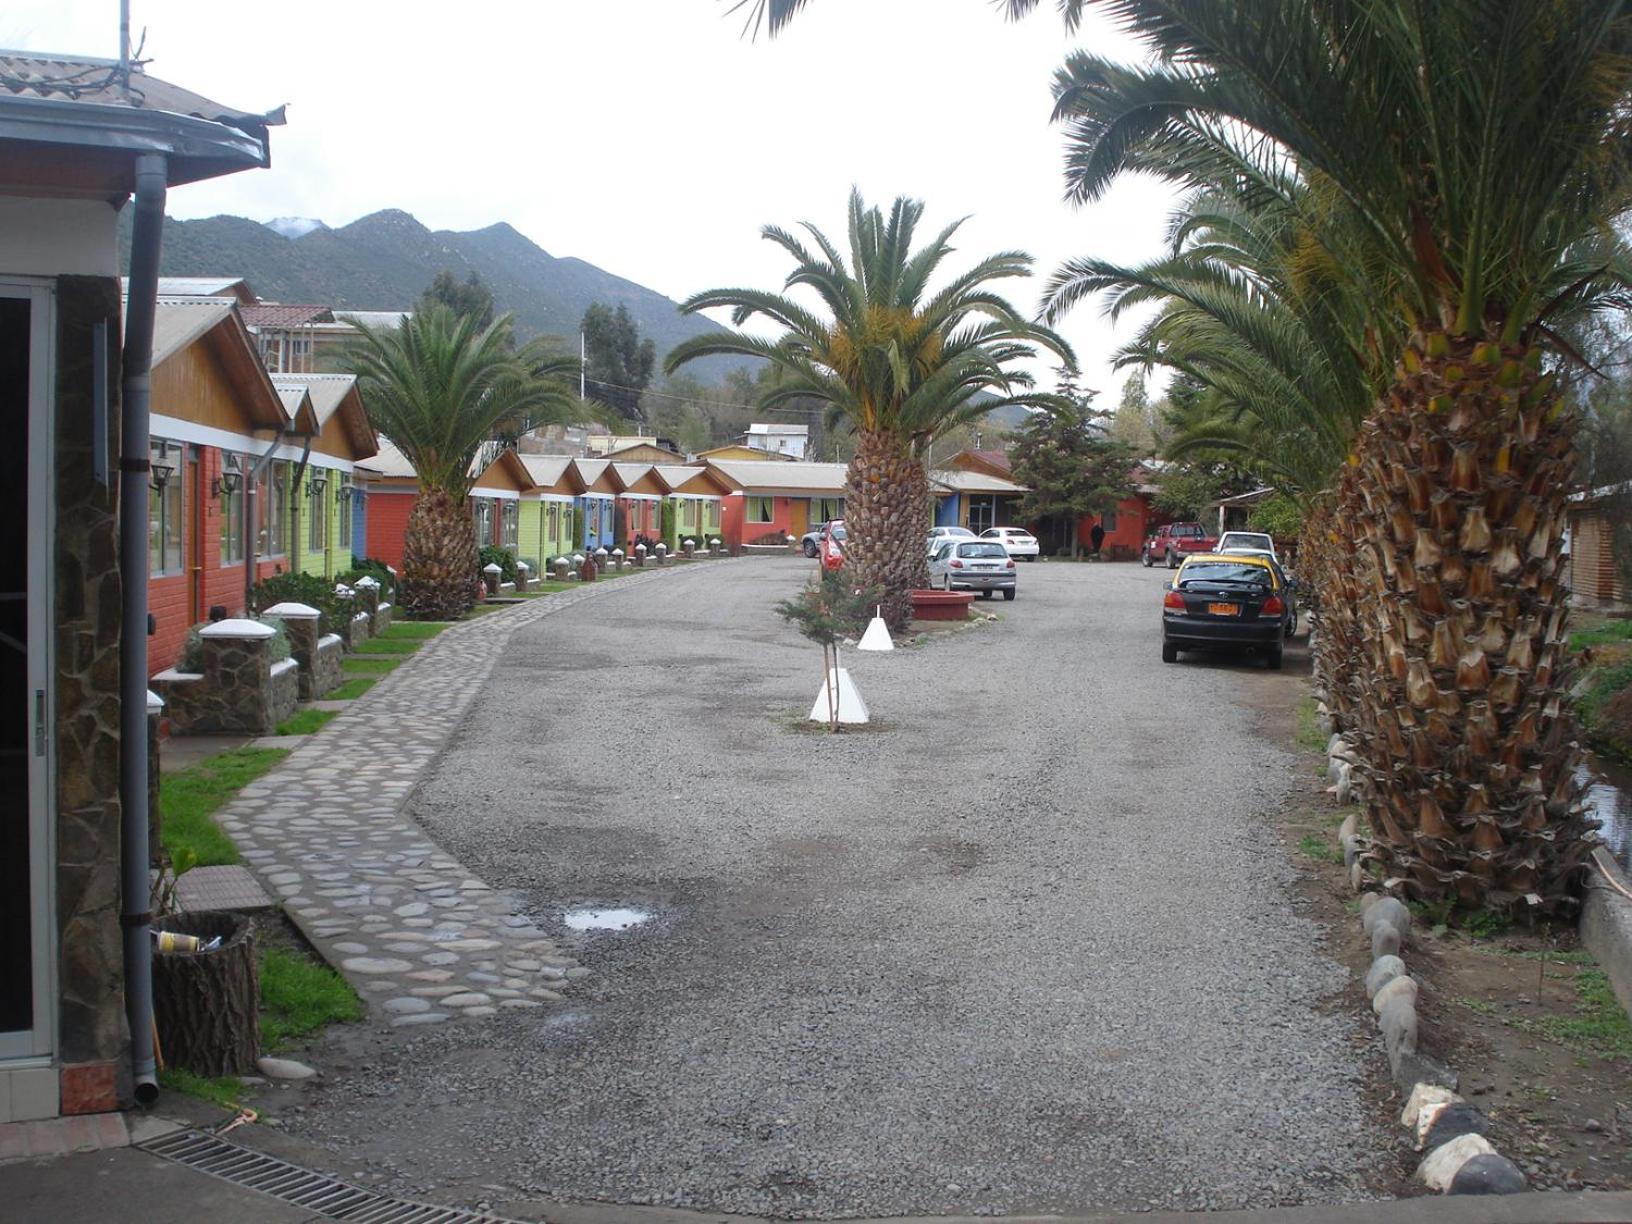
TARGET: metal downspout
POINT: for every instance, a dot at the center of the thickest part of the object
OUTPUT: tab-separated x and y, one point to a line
134	474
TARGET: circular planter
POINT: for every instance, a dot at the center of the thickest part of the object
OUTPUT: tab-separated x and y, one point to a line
941	605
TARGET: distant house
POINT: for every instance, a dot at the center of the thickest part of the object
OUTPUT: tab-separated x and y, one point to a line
605	445
496	501
393	488
78	138
789	440
771	499
697	495
738	450
643	452
546	514
597	504
639	505
330	495
1595	568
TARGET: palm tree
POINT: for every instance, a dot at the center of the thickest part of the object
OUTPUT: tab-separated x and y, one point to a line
1478	150
772	15
896	360
439	386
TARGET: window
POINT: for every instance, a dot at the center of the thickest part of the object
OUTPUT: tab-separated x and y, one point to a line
510	525
484	520
345	513
273	511
827	508
711	515
232	509
167	509
1108	521
552	522
688	514
760	509
317	535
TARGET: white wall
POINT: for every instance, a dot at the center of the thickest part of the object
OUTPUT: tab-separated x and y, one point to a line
58	237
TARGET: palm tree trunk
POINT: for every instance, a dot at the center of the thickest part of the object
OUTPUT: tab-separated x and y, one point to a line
1461	710
886	513
439	558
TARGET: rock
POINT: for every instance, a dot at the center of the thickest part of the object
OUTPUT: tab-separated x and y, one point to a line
1387	909
1592	1126
1367	900
1487	1173
1440	1124
1439	1169
1385	938
284	1069
1350	826
1383	970
1413	1069
1345	784
1422	1096
406	1005
1399	1024
469	999
1401	987
375	964
1357	875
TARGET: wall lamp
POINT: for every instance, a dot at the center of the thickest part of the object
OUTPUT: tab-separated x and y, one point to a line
161	473
315	485
228	482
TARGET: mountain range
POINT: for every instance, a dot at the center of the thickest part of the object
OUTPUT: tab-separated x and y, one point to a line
385	260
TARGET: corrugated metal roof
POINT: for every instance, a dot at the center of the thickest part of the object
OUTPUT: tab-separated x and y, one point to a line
546	469
328	391
961	481
389	461
178	321
374	318
199	286
799	478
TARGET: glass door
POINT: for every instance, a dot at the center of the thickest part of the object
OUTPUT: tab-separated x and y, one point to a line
25	713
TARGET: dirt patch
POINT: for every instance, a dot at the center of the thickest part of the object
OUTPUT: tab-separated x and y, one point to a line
1524	1017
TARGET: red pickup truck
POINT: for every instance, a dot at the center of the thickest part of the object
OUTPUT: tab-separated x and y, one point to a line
1173	543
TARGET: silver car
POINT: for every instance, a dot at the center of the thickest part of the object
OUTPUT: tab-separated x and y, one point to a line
973	565
940	535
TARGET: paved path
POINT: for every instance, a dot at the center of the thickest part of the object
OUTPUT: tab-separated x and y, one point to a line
1028	945
422	937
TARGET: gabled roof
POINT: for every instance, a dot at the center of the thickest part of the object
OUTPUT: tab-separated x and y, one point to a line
389	463
988	459
336	393
297	403
629	475
181	322
677	477
550	471
589	471
233	287
373	318
744	452
506	471
960	481
645	453
774	476
109	113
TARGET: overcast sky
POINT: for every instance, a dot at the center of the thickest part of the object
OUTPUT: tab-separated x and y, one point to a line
646	136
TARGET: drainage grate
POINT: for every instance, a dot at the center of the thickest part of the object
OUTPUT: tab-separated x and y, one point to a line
315	1192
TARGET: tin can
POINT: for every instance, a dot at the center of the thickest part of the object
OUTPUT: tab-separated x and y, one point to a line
171	941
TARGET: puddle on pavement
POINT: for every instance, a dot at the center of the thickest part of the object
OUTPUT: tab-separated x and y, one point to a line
604	919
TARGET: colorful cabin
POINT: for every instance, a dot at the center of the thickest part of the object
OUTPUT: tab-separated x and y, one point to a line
495	502
640	505
597	504
547	516
695	497
393	488
331	499
771	499
216	419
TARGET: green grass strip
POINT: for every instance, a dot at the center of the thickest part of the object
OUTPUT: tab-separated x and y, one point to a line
226	1091
416	631
188	797
350	690
300	996
306	722
388	646
352	665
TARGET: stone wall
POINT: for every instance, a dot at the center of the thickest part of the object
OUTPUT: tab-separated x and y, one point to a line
93	1045
240	691
327	673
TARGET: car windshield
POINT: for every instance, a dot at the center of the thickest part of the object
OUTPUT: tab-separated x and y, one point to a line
1184	531
838	533
981	550
1236	574
1248	539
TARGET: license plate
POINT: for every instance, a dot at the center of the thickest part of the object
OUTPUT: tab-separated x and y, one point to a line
1223	609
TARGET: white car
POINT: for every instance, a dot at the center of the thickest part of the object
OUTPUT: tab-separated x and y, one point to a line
1250	543
940	535
1019	541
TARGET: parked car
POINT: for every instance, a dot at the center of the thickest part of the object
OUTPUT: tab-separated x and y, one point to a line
1218	602
973	565
1174	542
1249	542
1018	541
811	542
940	535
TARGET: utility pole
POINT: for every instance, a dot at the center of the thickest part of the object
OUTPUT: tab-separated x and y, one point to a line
583	363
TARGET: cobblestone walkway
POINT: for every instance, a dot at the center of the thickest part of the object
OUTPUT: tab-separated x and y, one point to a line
420	936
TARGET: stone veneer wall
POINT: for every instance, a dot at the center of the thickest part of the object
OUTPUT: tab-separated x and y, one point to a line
327	673
93	1047
241	691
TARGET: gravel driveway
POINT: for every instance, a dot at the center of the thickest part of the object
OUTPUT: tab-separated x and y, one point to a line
1027	946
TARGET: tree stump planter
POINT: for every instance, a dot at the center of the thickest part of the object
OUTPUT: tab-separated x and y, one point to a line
208	1004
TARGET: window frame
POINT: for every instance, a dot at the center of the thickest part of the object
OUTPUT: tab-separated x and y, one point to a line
230	508
752	503
510	524
167	511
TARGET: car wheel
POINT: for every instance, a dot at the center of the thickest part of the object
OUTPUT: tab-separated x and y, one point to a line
1172	561
1144	557
1272	657
1008	594
810	548
1170	653
985	594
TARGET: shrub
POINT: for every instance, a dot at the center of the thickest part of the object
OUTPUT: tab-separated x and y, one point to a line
192	653
503	557
667	516
533	568
308	589
1279	515
770	537
370	567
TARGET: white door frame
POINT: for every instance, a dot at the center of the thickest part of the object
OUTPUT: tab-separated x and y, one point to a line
40	1041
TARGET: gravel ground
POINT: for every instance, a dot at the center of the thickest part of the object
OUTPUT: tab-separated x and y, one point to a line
1027	945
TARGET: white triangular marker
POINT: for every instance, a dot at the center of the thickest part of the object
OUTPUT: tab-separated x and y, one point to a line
877	636
852	709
